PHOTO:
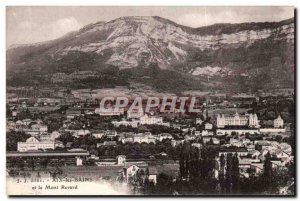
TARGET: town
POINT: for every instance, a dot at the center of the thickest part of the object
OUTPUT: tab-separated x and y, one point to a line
237	143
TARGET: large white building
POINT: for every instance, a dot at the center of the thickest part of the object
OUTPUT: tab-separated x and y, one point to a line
33	143
249	120
278	123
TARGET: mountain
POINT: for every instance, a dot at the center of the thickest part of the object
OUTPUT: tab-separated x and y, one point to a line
247	56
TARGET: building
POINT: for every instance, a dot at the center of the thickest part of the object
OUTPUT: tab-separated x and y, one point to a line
199	121
33	143
278	123
240	151
211	140
208	126
39	127
112	112
239	131
98	133
131	169
144	138
272	130
133	123
111	134
135	114
152	171
59	77
164	136
150	120
71	114
249	120
107	144
82	132
207	133
121	160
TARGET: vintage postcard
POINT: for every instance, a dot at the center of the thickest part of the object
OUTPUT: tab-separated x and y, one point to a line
150	101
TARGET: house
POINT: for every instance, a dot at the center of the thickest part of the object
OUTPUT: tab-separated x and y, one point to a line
107	143
98	133
69	144
82	132
39	127
197	133
164	136
45	137
208	139
131	169
121	160
198	145
254	153
10	125
257	168
59	144
163	154
140	138
152	177
246	141
278	164
19	124
36	129
278	123
208	126
127	140
235	142
199	121
144	138
26	122
55	134
175	143
250	147
207	133
244	166
264	144
285	147
111	133
72	113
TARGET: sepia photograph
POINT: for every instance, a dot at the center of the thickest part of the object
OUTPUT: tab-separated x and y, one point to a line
150	101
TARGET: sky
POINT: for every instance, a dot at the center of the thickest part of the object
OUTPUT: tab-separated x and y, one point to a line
33	24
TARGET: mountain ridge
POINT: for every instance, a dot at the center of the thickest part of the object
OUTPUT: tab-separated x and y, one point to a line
132	42
200	29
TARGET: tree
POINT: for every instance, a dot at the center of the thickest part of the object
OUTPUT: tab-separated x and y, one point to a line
267	177
235	172
228	174
45	162
221	173
66	137
267	166
184	160
278	138
12	139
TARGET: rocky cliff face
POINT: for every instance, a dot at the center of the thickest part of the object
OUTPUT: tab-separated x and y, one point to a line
130	42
